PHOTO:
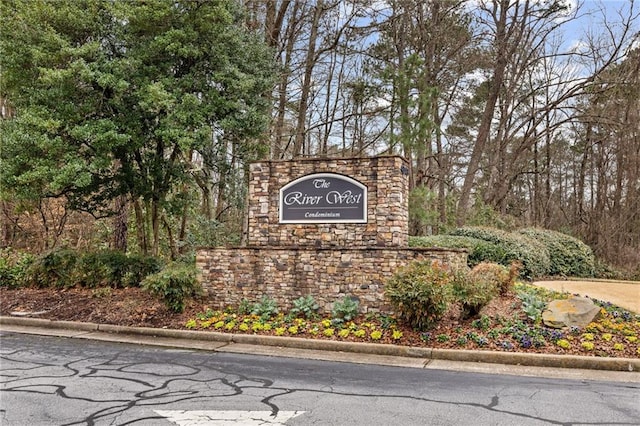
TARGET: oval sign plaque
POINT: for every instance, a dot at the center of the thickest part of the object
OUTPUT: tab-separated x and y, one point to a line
323	198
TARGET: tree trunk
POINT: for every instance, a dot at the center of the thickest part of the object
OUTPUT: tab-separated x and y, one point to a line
307	81
487	117
120	229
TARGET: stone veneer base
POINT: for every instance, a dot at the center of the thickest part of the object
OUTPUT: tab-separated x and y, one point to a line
229	275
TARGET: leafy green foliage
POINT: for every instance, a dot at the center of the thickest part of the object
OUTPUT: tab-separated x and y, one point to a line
474	290
110	268
532	304
265	308
568	256
533	255
115	98
174	284
54	269
420	293
479	250
107	268
13	267
306	307
345	309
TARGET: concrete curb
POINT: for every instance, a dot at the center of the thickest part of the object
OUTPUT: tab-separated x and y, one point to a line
492	357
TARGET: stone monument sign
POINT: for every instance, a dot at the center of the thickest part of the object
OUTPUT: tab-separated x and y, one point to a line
323	227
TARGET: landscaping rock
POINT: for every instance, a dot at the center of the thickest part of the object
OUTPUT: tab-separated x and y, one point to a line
574	311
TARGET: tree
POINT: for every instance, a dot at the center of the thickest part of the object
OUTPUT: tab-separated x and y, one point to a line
117	98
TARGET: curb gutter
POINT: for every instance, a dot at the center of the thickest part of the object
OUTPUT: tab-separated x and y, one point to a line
493	357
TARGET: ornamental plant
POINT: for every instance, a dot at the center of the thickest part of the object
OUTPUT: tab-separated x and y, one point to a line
420	293
345	309
475	289
587	346
305	306
265	308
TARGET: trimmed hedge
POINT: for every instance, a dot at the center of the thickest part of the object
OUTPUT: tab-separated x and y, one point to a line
479	250
568	255
533	255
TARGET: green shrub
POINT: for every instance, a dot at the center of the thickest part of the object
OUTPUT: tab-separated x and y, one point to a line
474	290
13	267
568	256
606	271
533	255
265	308
174	284
109	268
54	269
479	250
345	309
420	293
305	306
106	268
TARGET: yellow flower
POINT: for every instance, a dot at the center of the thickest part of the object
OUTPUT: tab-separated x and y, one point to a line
293	330
243	327
587	346
376	335
607	337
594	327
328	332
631	339
280	331
564	344
397	335
360	333
587	336
344	333
618	346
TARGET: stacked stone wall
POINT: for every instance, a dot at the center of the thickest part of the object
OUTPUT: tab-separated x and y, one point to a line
328	261
328	274
387	224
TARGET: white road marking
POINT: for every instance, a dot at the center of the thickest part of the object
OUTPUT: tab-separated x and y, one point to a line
227	418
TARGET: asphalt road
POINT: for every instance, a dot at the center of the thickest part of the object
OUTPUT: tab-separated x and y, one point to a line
60	381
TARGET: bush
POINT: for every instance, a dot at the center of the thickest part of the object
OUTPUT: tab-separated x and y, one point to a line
67	268
174	284
479	250
53	269
420	293
13	267
533	255
568	256
502	277
476	288
115	269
